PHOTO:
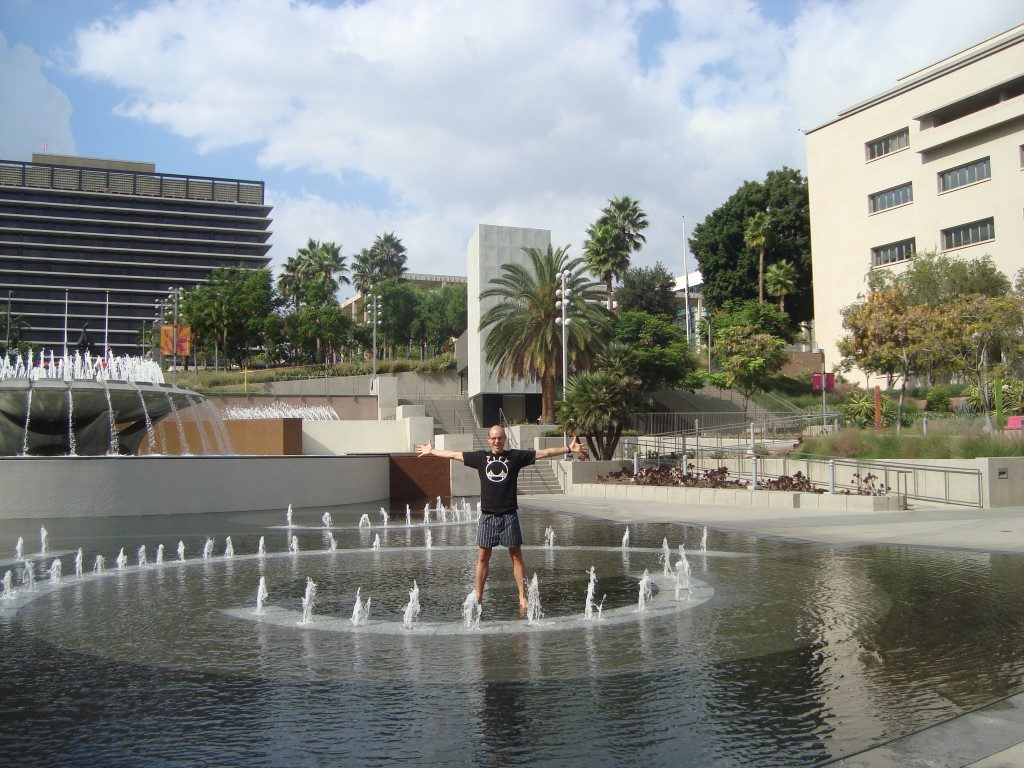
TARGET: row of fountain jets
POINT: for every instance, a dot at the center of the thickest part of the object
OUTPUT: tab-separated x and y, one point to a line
79	367
471	609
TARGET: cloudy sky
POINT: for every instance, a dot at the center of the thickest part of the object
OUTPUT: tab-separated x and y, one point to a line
428	118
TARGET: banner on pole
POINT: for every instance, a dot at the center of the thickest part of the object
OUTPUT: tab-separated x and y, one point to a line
167	340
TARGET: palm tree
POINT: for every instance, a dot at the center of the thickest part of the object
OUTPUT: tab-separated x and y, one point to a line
364	271
758	236
290	282
780	280
390	255
616	234
524	341
605	255
324	270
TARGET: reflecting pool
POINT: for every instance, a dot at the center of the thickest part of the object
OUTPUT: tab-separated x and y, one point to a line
777	653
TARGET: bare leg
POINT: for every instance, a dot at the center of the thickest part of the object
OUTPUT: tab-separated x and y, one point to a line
519	569
482	562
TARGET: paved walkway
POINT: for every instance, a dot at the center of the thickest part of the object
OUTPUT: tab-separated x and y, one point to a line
992	737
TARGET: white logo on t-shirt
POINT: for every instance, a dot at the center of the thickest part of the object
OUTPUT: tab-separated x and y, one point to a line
496	469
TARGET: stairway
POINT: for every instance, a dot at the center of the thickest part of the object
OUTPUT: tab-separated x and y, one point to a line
539	478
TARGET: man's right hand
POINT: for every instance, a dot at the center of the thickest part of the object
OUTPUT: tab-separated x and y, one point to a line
425	449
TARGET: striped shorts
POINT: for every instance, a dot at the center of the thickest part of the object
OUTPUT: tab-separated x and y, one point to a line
499	529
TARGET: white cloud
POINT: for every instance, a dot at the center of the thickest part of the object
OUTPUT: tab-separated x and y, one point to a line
32	111
525	113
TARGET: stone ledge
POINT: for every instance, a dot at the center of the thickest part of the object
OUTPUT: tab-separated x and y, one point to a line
732	497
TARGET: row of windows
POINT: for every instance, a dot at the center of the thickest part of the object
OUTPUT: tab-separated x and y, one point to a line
955	237
962	175
888	144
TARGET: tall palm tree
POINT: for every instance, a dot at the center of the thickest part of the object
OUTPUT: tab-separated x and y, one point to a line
289	283
611	239
324	270
629	220
390	255
524	342
759	236
364	271
780	280
605	256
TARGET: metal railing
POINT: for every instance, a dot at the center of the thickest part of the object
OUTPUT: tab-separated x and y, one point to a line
727	423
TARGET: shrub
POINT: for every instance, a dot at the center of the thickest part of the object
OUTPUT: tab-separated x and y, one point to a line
937	400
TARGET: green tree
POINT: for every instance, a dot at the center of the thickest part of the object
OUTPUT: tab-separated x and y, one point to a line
748	359
942	280
653	352
765	317
364	271
730	268
780	281
597	406
389	255
647	289
230	310
398	302
441	316
523	340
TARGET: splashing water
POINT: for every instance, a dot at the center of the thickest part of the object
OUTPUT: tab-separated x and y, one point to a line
308	601
625	539
19	549
666	558
78	563
98	563
55	571
332	545
122	560
160	554
429	539
142	555
326	519
28	575
43	547
8	591
704	540
181	550
384	517
426	513
588	606
408	516
208	549
293	547
364	521
288	516
261	550
646	591
549	537
471	611
682	573
229	548
376	541
412	608
533	607
261	594
361	610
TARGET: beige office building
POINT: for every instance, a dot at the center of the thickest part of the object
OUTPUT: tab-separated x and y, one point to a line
934	163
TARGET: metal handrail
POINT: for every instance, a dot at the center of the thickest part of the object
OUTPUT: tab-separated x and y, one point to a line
511	439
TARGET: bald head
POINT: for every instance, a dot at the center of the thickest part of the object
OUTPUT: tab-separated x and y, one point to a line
496	438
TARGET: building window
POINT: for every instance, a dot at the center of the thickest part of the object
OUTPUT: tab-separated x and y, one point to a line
968	234
887	144
979	170
890	198
893	252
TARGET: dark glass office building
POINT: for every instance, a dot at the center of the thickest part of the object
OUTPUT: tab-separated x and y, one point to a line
96	243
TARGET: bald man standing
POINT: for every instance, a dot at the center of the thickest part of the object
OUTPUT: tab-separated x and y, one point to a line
499	518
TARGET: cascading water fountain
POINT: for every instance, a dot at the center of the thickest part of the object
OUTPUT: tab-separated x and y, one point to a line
122	560
55	568
364	521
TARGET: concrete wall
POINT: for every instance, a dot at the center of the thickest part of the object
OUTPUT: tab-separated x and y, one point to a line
463	481
360	437
348	407
489	247
410	384
43	487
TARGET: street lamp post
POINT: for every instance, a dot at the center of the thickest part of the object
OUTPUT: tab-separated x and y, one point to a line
686	284
175	292
375	311
7	332
707	321
563	303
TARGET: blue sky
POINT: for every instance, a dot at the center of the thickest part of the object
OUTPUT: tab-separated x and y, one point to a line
428	118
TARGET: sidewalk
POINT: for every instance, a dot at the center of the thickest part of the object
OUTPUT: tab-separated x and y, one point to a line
992	737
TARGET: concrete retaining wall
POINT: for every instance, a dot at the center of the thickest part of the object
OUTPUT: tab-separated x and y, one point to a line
360	437
40	487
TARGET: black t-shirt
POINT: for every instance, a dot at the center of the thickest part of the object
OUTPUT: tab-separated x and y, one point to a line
498	475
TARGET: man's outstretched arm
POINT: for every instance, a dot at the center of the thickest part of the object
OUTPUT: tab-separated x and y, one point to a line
428	449
575	447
